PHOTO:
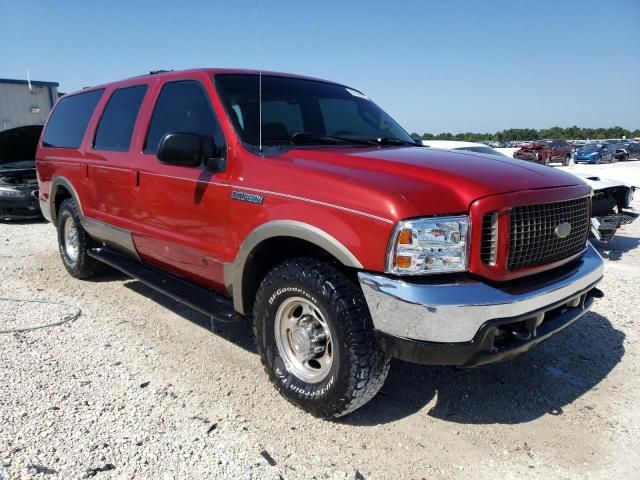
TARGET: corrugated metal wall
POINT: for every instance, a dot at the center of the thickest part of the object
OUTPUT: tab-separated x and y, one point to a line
19	106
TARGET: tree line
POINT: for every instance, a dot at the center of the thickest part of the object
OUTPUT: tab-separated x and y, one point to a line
570	133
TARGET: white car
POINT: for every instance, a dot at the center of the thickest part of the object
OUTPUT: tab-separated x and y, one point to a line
455	145
610	196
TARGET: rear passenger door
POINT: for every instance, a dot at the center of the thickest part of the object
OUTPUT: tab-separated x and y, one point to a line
111	175
181	211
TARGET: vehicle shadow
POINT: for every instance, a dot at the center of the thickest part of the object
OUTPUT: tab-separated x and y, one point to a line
24	221
239	333
617	247
541	382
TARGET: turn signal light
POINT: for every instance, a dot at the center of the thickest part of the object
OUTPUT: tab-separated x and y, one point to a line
405	237
403	262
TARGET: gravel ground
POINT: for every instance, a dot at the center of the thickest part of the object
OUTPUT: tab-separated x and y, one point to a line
139	386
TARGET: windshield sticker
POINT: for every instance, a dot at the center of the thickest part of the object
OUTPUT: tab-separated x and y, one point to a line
356	93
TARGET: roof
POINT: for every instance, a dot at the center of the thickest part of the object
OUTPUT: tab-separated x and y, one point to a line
38	83
206	71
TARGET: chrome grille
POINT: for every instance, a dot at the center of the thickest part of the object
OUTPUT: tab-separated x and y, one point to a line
533	240
489	242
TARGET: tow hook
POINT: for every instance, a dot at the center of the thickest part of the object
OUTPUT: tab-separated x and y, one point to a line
521	333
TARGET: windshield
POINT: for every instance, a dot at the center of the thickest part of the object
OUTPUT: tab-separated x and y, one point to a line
309	111
487	150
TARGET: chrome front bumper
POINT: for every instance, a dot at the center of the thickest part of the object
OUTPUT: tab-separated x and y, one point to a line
455	312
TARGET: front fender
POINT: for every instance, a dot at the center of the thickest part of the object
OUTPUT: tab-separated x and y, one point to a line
234	272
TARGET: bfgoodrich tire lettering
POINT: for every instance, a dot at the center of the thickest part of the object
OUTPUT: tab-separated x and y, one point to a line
358	366
75	258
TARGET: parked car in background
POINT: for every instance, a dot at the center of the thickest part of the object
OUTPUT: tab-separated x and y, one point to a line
595	153
18	181
610	205
545	152
626	150
468	146
634	151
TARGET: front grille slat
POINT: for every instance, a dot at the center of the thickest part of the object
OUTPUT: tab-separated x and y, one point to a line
533	240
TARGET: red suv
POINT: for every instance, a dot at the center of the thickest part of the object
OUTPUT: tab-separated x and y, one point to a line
545	152
300	205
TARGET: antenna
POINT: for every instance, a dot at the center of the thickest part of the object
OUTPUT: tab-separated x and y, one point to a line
259	79
29	80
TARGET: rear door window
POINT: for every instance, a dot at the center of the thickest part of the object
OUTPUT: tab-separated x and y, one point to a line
182	107
69	120
118	119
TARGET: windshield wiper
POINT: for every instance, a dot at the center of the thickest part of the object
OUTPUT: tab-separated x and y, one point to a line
298	138
327	138
393	141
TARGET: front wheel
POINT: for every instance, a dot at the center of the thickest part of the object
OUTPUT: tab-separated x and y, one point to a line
567	160
598	160
315	338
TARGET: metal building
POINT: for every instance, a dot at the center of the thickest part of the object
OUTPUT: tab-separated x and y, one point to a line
25	102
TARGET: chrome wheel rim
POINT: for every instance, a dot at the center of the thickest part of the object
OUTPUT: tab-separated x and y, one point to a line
304	340
71	243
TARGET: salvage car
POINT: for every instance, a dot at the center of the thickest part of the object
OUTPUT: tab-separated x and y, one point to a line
627	150
595	153
301	206
610	205
545	152
459	145
18	182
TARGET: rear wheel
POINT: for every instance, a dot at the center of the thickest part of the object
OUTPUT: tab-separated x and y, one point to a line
598	159
74	242
315	338
567	160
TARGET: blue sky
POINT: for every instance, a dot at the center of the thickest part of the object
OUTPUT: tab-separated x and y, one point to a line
434	65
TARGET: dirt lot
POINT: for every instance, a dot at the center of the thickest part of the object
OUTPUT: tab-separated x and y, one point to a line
141	387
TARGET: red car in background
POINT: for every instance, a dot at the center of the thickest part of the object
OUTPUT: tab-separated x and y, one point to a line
545	152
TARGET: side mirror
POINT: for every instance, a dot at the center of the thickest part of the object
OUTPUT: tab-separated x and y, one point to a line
190	150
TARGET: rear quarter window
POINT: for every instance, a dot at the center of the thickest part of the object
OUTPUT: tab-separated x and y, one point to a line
69	120
119	117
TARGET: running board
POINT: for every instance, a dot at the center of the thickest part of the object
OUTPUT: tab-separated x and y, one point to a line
199	298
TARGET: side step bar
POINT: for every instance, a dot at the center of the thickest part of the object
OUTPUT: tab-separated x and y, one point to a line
199	298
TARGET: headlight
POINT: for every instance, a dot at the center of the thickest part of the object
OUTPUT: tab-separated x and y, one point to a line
429	245
12	192
628	198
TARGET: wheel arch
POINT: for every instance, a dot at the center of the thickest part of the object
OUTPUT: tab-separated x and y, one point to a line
61	188
270	244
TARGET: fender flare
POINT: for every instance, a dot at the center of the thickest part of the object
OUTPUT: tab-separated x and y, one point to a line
55	184
234	272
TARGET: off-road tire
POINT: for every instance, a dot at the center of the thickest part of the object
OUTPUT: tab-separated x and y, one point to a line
83	266
359	366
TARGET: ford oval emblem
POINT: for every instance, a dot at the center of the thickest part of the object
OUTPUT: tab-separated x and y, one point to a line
563	230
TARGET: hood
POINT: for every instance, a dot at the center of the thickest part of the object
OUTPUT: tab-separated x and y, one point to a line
536	146
597	182
587	153
19	143
432	181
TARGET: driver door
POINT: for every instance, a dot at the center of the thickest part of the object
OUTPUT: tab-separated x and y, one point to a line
181	211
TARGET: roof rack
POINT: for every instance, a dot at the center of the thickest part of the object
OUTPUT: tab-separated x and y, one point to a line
155	72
